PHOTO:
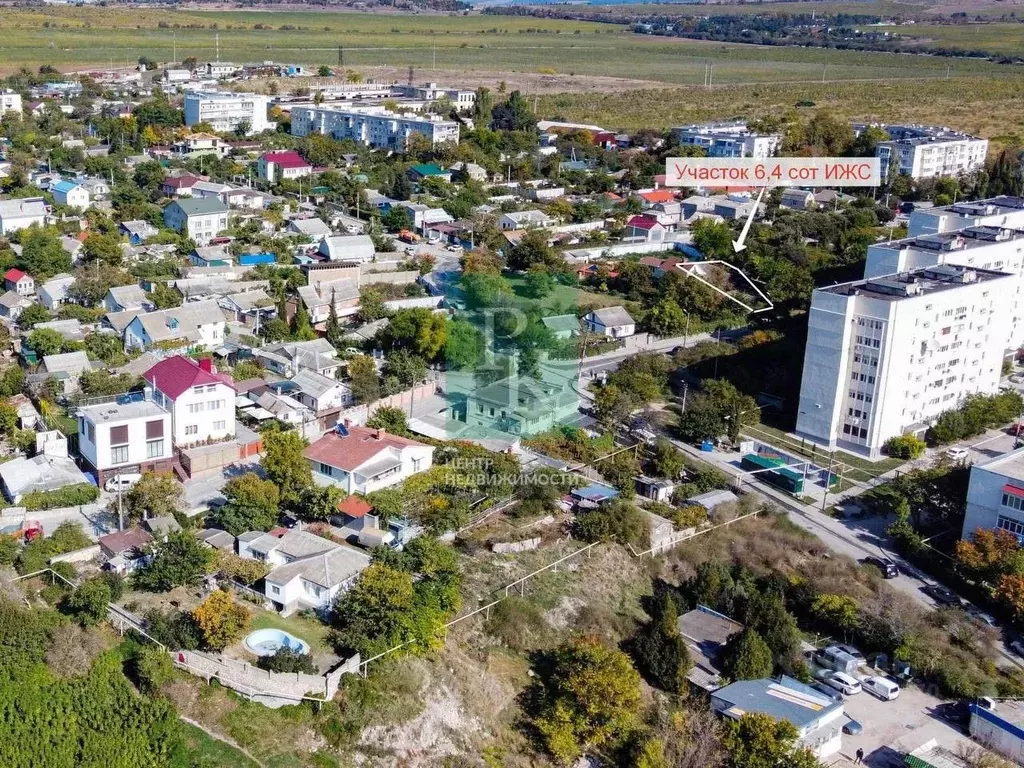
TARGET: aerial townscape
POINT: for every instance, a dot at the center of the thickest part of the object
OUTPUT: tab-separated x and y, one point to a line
478	385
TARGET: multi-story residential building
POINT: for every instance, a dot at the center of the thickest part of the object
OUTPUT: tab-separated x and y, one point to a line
219	69
18	214
728	139
460	99
276	166
202	219
125	438
372	126
200	400
363	460
199	323
1002	211
985	247
886	356
995	495
10	102
928	151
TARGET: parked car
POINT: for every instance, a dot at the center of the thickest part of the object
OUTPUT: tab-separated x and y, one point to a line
852	728
846	684
957	453
851	651
122	482
885	565
957	712
884	689
942	595
828	690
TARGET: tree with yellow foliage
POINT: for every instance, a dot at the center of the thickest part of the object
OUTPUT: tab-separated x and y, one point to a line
221	620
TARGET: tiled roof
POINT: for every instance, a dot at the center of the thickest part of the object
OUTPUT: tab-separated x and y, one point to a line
125	541
360	446
355	506
290	159
642	222
14	275
658	196
177	374
179	182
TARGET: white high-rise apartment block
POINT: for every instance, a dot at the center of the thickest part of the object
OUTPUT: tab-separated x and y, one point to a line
982	247
226	111
886	356
372	126
1002	211
728	140
928	151
10	102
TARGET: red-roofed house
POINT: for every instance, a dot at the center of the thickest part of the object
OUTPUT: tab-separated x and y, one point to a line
123	551
274	166
17	281
200	400
657	196
645	227
363	460
180	186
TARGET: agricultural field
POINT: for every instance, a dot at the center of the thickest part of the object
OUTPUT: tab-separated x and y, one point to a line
1003	38
443	45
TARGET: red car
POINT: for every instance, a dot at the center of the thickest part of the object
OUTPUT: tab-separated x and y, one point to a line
1015	429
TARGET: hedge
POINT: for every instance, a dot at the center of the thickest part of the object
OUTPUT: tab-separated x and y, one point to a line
68	496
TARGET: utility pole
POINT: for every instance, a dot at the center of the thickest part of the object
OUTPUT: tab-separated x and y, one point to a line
341	56
175	57
823	68
434	67
410	74
218	47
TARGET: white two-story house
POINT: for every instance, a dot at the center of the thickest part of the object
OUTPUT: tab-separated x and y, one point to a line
200	400
308	571
200	323
363	460
126	437
202	219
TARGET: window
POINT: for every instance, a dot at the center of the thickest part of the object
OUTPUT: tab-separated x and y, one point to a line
154	429
192	429
154	449
416	464
211	387
91	432
218	425
1013	502
275	590
325	469
119	435
197	390
1008	524
119	454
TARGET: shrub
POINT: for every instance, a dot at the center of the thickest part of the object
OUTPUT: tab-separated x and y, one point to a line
287	660
68	496
905	447
619	520
518	624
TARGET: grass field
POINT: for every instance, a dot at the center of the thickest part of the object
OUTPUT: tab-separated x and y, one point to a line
1005	38
211	753
68	36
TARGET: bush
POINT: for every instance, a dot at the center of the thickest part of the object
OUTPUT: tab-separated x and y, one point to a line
87	604
68	496
618	520
518	624
905	447
175	630
287	660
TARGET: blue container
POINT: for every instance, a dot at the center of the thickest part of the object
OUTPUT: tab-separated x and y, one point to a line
707	445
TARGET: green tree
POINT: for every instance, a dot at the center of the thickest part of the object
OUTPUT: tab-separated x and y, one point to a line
419	331
104	248
319	502
666	460
713	240
46	341
332	331
180	560
285	465
760	741
252	505
34	314
464	345
89	601
164	296
666	318
42	254
661	652
616	520
389	419
374	615
532	250
589	700
363	379
746	656
514	114
302	328
152	496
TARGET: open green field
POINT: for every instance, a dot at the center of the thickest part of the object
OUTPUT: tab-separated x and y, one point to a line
1005	38
68	36
211	753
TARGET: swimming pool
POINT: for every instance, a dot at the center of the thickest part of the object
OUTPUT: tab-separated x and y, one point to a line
267	642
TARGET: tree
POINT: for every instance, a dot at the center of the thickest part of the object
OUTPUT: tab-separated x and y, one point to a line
302	328
761	741
905	446
363	379
533	250
319	502
389	419
464	345
103	248
396	219
666	318
220	620
588	700
839	611
89	602
539	281
990	554
42	254
666	460
252	505
514	114
180	560
285	465
746	656
164	296
660	651
619	470
373	616
46	341
713	240
616	520
419	331
332	331
34	314
152	496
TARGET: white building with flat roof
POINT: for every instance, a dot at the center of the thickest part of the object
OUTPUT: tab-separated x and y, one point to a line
886	356
225	112
728	139
984	247
372	126
10	101
125	438
995	495
928	151
1002	211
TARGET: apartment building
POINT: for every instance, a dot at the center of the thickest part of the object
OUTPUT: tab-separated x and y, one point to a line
125	438
460	99
984	247
928	151
200	400
1002	211
225	112
886	356
202	219
728	139
372	126
10	102
995	495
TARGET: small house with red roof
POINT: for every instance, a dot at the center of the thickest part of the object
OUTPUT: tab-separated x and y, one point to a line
275	166
655	196
363	460
200	400
180	186
645	228
19	282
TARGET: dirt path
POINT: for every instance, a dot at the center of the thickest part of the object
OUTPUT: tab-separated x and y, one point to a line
219	737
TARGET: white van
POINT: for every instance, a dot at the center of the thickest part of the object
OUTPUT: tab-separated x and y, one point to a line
884	689
121	482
